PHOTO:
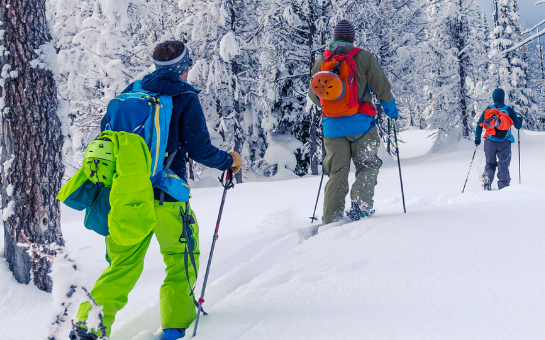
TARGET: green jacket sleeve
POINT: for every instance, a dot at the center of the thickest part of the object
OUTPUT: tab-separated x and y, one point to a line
315	69
376	78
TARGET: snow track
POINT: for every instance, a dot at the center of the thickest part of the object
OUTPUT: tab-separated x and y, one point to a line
456	266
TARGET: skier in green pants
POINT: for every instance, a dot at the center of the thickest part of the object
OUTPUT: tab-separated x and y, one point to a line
189	135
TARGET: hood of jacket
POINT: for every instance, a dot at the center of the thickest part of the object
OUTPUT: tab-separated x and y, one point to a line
166	83
499	97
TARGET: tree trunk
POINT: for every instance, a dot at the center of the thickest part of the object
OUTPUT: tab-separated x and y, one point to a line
31	147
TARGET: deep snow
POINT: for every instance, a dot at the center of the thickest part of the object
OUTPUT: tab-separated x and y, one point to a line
456	266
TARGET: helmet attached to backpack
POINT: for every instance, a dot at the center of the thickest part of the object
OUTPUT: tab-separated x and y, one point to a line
99	162
328	85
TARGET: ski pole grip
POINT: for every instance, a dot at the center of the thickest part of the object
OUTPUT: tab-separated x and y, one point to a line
229	175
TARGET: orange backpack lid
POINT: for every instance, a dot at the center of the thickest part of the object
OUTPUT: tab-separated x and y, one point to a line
494	118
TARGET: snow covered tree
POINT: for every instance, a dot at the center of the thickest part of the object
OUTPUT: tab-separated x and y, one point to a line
31	143
223	37
454	55
512	65
296	33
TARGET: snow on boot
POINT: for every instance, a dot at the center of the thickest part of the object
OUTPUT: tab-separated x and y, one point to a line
80	333
173	333
486	183
357	212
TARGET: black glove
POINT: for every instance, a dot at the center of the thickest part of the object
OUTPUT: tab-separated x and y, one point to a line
477	142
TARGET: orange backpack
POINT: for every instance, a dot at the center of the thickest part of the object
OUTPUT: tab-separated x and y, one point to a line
496	118
336	86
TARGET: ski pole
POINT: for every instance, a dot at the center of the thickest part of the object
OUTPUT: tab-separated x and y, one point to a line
519	157
228	184
399	166
472	158
319	189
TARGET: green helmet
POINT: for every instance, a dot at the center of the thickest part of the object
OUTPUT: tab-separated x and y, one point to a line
99	162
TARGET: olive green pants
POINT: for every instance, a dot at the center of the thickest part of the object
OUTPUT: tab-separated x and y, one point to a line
362	149
127	262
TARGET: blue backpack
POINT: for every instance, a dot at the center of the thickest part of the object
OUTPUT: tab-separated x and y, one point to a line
148	115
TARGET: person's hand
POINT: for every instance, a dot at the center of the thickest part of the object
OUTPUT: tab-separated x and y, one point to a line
477	142
237	161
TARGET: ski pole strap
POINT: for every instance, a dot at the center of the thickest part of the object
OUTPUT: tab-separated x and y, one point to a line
226	179
188	250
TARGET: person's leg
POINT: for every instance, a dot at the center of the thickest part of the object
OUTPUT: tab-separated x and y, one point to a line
490	149
504	160
364	155
112	288
177	305
337	167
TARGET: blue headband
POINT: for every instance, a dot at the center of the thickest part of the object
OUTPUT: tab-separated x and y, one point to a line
178	65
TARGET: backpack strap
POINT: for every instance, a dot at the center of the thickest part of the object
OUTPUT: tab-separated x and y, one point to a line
165	168
354	51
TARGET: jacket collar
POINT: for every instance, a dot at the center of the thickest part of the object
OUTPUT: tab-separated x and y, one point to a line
166	83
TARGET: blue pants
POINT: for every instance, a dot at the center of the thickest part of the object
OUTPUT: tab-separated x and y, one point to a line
498	155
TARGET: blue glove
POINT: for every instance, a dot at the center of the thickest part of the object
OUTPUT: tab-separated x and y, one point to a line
390	108
477	142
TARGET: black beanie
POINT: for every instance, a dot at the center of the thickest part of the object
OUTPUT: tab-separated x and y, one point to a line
344	31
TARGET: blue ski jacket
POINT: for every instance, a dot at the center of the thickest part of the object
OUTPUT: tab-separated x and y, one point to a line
499	101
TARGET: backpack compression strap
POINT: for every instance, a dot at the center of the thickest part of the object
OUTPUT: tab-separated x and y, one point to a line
165	168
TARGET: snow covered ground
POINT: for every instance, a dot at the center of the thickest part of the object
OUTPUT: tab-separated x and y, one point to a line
456	266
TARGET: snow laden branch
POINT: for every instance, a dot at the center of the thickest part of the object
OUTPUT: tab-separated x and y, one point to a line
520	44
529	39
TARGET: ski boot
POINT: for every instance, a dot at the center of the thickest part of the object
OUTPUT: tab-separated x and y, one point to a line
356	212
173	333
80	333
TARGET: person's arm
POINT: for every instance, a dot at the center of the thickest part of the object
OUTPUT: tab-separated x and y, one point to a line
315	69
479	129
379	84
517	121
195	138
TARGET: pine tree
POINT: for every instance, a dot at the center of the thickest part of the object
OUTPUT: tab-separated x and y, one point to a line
296	33
223	37
512	66
31	144
454	55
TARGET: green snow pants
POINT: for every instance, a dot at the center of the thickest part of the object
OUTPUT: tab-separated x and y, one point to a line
362	149
127	262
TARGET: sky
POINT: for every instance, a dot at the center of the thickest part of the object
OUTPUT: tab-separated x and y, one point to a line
529	13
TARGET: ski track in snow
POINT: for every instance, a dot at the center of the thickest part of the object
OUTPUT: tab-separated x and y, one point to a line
456	266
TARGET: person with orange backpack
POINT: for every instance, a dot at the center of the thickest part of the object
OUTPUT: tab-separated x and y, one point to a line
342	81
497	120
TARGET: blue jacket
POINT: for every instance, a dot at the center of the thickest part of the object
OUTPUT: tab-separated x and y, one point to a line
355	124
499	101
188	130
